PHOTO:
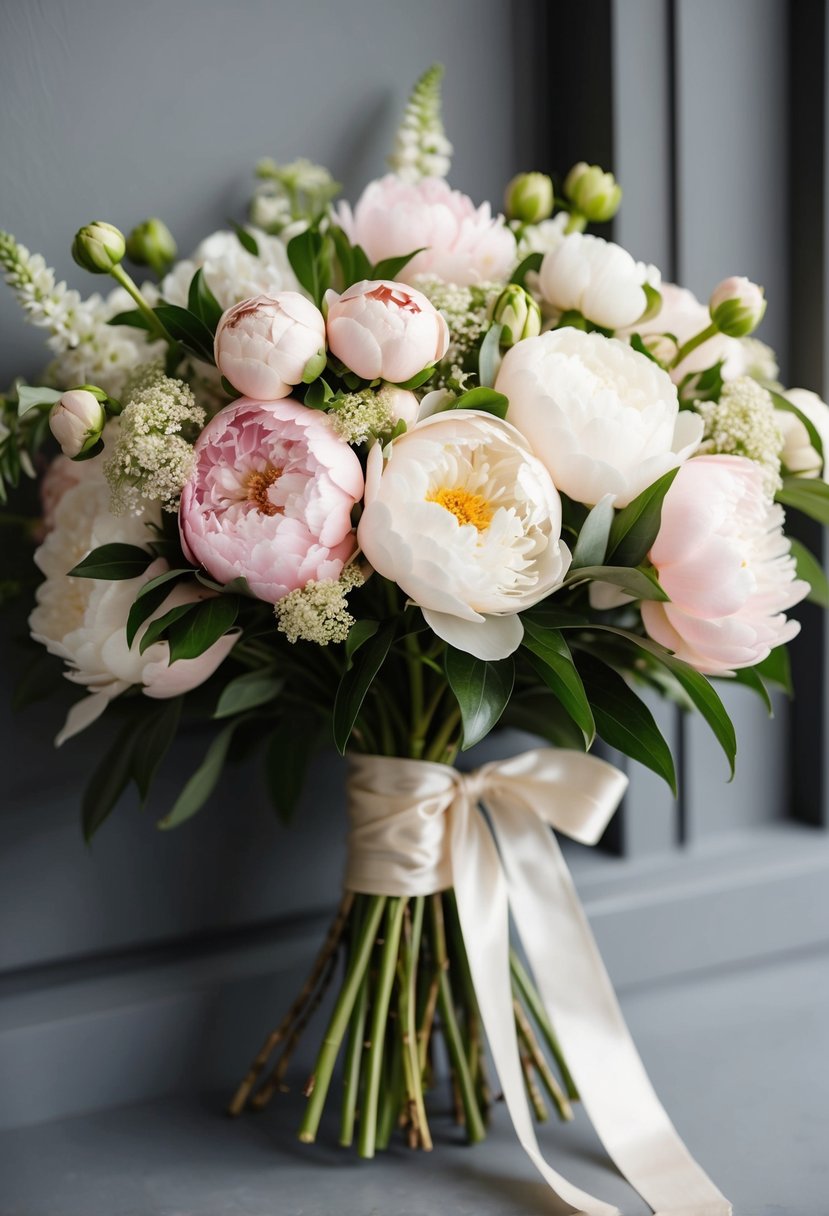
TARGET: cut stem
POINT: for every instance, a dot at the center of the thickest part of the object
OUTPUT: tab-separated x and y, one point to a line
539	1062
379	1014
532	1000
412	1071
354	1058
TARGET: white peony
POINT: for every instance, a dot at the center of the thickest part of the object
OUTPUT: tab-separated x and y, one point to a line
82	620
543	237
798	455
596	278
683	316
601	417
231	272
465	519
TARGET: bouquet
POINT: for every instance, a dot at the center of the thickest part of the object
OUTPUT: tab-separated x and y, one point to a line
394	476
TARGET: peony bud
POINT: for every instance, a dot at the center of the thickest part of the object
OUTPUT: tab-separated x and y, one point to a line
267	345
151	244
737	306
98	247
76	421
594	194
529	198
518	313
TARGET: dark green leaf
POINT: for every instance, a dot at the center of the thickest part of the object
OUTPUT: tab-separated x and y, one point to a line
641	584
591	545
151	596
188	329
810	569
418	380
108	781
489	356
749	677
808	495
540	712
113	562
635	527
390	268
547	615
203	782
531	262
288	752
550	655
359	633
152	742
202	302
193	634
248	691
158	629
246	239
133	317
356	682
304	253
482	690
485	399
777	669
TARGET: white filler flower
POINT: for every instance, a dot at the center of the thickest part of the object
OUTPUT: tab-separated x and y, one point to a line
232	273
467	522
601	417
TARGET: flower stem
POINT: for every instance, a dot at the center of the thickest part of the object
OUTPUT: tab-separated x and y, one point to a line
538	1061
354	1052
685	350
128	283
533	1002
412	1072
443	742
379	1014
320	1080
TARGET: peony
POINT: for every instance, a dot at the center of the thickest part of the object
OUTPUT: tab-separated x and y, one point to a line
263	345
737	306
233	274
82	620
602	418
596	278
461	243
722	558
76	420
270	497
798	455
467	521
383	330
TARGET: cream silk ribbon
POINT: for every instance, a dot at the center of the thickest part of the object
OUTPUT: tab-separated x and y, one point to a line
415	828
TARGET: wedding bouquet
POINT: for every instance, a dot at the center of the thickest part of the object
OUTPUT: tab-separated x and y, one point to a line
393	476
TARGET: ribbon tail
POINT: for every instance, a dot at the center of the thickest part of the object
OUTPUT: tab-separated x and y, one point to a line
582	1005
483	909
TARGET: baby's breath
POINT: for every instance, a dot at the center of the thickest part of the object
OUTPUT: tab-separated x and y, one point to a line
743	423
318	612
358	417
466	311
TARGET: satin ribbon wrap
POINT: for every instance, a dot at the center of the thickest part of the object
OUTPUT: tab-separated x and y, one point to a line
416	828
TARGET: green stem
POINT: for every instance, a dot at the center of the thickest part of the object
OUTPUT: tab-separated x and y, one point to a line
576	223
408	1024
415	692
691	345
475	1129
324	1067
356	1036
532	1000
379	1014
391	1098
128	283
442	743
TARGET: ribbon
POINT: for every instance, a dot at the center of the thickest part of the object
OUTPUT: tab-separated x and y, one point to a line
415	828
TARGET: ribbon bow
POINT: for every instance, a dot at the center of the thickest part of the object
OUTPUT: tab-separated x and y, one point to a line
415	828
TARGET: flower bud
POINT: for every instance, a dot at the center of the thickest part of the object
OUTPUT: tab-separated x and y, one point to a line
737	306
98	247
76	421
518	313
529	198
594	194
268	344
151	244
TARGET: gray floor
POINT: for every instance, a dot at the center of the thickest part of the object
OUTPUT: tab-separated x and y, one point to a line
740	1059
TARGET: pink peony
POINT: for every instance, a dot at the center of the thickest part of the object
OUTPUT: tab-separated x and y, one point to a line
381	329
270	497
723	559
264	345
461	243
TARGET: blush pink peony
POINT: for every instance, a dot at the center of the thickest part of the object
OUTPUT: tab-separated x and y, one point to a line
264	345
461	243
270	497
722	558
384	330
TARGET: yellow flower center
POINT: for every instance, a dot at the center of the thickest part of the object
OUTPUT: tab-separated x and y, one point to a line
468	508
258	483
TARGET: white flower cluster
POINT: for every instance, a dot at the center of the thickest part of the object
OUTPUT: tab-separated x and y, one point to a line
421	148
232	272
152	457
744	423
467	313
318	612
290	194
359	416
88	350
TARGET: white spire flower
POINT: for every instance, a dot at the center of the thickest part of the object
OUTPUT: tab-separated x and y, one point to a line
468	523
421	148
744	422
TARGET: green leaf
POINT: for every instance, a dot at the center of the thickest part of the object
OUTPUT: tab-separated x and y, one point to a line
188	329
749	677
304	254
356	682
777	669
808	495
108	781
539	712
641	584
531	262
418	380
359	633
591	545
203	782
810	569
635	527
152	742
248	691
389	268
202	303
485	399
550	655
354	264
133	317
783	403
481	689
547	615
151	596
489	356
246	239
288	752
193	634
624	721
113	562
158	629
30	396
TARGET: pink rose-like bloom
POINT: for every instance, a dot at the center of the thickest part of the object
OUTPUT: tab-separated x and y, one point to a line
270	497
461	243
264	345
379	328
722	558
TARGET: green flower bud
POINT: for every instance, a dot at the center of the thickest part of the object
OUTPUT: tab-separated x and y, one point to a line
76	421
151	244
98	247
737	306
529	198
593	193
518	313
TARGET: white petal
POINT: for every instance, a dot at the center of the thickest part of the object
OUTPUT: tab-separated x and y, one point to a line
82	714
496	637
